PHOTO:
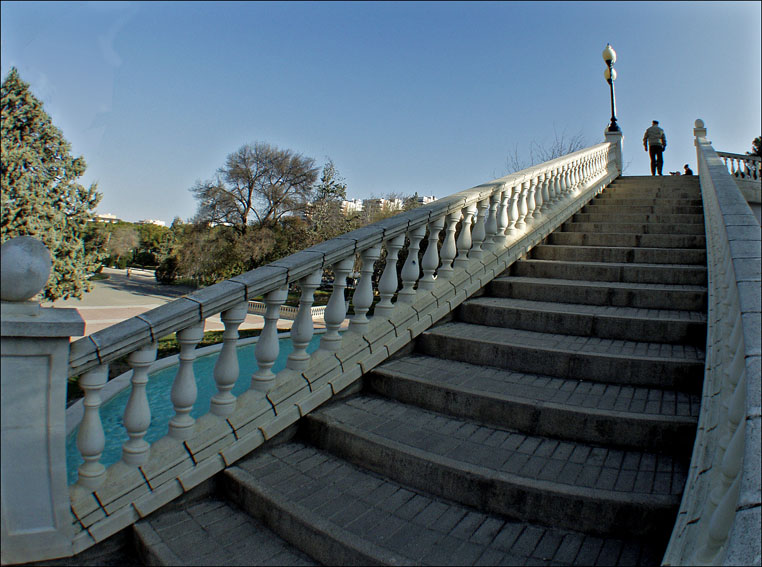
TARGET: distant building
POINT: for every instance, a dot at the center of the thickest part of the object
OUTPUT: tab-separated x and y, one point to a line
383	204
107	218
152	221
353	206
427	200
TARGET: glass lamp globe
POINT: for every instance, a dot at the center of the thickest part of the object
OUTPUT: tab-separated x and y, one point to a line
609	55
610	74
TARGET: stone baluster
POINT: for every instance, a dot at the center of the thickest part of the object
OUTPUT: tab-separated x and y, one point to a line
502	217
572	178
226	368
268	347
336	310
523	208
137	414
449	248
363	296
411	270
303	328
90	437
184	391
513	210
387	285
565	181
538	196
464	238
479	233
576	175
430	260
492	218
555	185
546	196
531	201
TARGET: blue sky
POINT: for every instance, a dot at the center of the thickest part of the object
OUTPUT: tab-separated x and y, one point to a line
427	97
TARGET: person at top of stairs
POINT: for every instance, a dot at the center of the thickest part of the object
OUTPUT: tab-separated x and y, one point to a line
655	142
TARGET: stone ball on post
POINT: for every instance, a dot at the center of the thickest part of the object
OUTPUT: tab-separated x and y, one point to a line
25	265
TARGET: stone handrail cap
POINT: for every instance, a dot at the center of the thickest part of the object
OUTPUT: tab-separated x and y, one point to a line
25	266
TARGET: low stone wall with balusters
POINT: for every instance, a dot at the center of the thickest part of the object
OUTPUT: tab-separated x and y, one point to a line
719	518
746	170
286	311
485	230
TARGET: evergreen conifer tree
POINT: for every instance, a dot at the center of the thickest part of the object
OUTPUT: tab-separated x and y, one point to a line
40	196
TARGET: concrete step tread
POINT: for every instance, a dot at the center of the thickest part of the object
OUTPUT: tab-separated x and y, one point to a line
649	287
413	526
570	343
622	215
623	254
591	472
213	531
607	239
643	228
692	274
631	205
590	310
581	395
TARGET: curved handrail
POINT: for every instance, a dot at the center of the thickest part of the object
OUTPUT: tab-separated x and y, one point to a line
719	518
108	344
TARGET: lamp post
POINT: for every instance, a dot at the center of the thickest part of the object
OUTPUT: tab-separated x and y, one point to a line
609	56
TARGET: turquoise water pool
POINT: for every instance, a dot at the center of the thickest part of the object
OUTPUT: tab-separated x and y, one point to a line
158	390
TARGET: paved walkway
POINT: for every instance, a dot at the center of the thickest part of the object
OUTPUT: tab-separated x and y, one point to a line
120	297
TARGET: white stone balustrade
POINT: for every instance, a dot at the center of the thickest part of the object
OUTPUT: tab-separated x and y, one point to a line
486	228
719	519
742	165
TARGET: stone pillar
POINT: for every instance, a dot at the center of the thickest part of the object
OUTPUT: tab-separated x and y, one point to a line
36	513
616	138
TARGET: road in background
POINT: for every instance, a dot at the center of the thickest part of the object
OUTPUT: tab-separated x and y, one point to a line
121	297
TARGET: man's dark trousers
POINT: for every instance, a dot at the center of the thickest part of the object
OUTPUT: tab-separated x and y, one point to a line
657	161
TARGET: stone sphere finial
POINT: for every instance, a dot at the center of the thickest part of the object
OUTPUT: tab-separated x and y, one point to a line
698	123
25	266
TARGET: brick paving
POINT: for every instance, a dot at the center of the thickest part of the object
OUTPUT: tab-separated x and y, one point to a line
422	528
563	462
493	380
215	532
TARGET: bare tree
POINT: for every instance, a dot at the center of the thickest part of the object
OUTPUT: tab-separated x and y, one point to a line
258	183
540	152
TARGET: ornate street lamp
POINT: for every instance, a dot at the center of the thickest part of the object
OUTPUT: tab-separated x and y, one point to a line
609	56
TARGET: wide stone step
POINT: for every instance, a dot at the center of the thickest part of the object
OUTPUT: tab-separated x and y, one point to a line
626	217
638	228
529	478
628	294
656	365
629	240
647	419
211	531
607	199
627	254
611	271
347	515
657	207
622	323
676	193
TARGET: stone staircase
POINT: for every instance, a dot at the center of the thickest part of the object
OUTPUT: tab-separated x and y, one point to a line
549	421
